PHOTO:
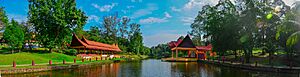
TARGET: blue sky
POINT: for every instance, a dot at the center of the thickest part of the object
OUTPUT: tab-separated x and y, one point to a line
162	20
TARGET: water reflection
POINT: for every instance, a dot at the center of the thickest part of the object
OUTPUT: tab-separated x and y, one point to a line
153	68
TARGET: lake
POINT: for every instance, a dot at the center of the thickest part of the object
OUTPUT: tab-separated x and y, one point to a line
154	68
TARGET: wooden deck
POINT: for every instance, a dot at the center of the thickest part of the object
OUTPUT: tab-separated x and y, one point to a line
179	59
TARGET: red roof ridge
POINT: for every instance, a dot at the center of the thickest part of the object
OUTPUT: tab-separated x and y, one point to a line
94	45
99	44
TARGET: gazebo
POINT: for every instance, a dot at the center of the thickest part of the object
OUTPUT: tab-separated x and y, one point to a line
187	45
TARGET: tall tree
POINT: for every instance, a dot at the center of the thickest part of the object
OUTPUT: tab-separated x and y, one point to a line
55	20
218	22
288	32
14	35
29	33
109	28
123	27
3	19
136	39
94	34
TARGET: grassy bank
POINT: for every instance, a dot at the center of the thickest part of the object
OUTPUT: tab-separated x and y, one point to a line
135	57
26	58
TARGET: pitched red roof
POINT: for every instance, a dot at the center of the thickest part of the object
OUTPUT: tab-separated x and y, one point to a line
188	43
205	48
113	47
92	45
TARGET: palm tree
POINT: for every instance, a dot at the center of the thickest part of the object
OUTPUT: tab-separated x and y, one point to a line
288	33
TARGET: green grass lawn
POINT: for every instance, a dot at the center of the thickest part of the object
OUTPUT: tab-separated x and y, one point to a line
26	58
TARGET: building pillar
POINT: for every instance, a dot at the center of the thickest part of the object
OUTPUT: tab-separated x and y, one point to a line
176	53
197	53
84	51
189	53
172	54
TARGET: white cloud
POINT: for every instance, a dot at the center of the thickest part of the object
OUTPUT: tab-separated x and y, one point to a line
129	7
175	9
151	20
144	12
17	17
191	8
105	8
167	15
192	4
153	40
124	11
93	18
136	0
187	20
289	2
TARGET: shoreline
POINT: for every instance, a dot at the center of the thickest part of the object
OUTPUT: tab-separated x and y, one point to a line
255	67
42	68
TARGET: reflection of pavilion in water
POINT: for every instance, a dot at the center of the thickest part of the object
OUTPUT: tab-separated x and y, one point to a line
105	70
192	69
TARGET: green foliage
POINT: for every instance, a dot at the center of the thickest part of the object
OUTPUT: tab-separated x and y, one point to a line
115	30
3	19
71	52
241	26
161	51
293	39
14	35
55	20
219	24
26	58
136	43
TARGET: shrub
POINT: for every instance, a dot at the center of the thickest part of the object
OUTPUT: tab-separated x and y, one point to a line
72	52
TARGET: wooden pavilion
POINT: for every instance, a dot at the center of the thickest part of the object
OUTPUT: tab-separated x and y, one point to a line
186	44
92	47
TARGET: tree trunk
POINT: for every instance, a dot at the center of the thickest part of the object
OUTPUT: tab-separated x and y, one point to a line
50	50
30	45
235	55
270	57
12	51
247	55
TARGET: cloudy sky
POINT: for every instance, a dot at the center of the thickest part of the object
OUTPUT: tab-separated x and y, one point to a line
162	20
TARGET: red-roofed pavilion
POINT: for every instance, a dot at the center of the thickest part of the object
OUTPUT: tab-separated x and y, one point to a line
187	45
85	44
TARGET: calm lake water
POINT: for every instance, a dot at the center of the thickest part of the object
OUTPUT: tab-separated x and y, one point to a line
154	68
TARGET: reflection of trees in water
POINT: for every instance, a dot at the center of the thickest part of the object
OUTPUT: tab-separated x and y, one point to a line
194	69
136	69
106	70
189	69
130	69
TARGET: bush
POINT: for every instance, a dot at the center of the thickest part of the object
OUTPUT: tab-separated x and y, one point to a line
72	52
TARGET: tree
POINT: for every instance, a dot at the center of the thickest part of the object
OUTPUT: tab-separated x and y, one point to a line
136	40
288	32
161	50
29	33
94	34
218	22
134	27
109	28
3	19
123	27
14	35
55	20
